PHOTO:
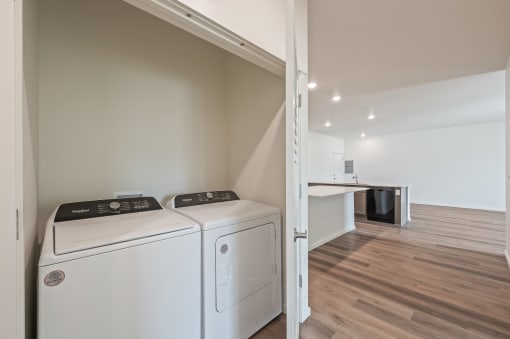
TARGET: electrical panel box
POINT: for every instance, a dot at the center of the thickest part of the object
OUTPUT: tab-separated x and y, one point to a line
349	167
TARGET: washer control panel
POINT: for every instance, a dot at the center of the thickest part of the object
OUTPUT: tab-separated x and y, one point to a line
202	198
103	208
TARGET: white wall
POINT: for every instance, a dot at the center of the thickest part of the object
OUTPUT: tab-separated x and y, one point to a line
127	102
321	148
460	166
30	159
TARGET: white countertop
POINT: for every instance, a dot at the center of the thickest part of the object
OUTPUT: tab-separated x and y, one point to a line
387	185
326	191
370	185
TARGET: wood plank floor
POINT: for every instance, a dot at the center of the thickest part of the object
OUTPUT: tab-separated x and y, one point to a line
477	230
380	281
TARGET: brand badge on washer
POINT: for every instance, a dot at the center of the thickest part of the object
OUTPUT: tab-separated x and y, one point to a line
54	278
224	248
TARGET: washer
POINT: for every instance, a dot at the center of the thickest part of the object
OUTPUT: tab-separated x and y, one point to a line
241	261
119	269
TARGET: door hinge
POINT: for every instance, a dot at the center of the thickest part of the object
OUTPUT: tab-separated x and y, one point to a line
17	224
299	100
299	191
300	280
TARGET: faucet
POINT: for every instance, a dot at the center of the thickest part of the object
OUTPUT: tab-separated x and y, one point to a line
355	177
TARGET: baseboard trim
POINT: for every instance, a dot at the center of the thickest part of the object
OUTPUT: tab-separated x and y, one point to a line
331	237
305	315
479	208
507	256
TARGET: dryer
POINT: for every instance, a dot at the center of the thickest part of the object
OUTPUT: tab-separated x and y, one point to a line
119	269
241	261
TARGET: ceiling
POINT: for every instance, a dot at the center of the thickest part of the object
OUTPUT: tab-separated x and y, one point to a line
394	56
463	101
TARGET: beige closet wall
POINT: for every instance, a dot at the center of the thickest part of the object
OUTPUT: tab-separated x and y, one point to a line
127	102
256	132
256	135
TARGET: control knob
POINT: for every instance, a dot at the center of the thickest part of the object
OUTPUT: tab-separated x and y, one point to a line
209	195
114	205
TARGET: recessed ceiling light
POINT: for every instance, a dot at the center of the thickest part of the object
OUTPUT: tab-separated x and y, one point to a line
363	135
337	98
327	124
312	85
371	116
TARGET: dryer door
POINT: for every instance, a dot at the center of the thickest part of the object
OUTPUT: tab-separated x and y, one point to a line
245	264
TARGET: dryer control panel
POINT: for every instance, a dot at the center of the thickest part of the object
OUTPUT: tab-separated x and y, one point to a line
103	208
202	198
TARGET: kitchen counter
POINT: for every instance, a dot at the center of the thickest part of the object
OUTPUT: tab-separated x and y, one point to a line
396	211
348	184
330	212
326	191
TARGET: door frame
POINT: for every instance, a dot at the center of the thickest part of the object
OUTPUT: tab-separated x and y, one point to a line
304	308
291	205
12	324
296	165
507	170
19	94
301	48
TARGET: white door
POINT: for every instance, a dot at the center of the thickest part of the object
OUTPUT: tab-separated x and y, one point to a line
507	251
296	176
338	167
10	306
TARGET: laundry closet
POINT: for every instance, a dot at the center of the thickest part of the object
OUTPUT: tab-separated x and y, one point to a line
120	101
128	102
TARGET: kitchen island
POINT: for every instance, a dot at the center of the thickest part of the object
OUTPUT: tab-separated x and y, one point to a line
388	203
330	212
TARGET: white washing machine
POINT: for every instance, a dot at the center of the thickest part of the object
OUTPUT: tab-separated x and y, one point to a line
119	269
241	262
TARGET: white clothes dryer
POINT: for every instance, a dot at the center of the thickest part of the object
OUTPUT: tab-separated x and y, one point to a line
119	269
241	261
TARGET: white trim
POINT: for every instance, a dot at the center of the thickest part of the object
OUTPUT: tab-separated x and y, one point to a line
302	249
292	212
300	34
306	312
18	90
331	237
457	206
507	257
184	17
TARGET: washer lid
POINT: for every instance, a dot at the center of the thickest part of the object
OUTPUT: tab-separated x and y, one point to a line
221	214
79	235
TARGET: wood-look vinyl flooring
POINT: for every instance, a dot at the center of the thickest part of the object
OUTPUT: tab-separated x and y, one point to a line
477	230
381	281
